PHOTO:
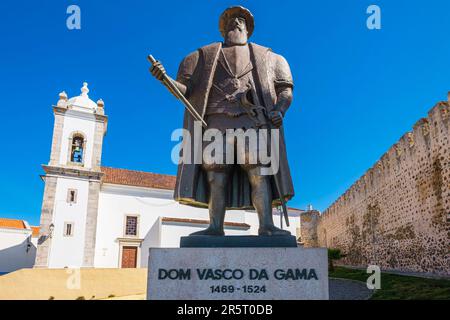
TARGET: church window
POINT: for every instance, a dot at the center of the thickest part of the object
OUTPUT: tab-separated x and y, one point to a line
72	196
131	226
68	229
77	149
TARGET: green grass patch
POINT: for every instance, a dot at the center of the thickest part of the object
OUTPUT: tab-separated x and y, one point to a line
397	287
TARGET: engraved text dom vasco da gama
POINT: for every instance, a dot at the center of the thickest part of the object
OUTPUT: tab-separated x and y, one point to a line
237	274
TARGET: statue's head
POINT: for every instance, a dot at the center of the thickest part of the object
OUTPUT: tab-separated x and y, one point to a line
236	25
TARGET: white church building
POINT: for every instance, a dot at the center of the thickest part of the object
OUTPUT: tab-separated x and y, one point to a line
102	217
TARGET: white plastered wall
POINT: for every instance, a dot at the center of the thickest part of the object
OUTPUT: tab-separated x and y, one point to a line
150	205
75	121
13	249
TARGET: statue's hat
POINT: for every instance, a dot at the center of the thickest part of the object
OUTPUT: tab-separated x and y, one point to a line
237	11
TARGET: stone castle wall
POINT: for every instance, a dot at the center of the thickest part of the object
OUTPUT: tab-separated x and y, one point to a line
397	215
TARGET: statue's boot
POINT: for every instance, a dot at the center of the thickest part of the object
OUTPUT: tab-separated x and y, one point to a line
271	230
210	231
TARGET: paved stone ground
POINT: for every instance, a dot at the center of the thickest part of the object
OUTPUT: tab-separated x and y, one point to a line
342	289
403	273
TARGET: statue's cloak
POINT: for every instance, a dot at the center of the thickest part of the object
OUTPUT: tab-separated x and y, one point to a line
196	71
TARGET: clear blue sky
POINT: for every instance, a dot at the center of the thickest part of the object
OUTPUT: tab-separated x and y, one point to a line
357	91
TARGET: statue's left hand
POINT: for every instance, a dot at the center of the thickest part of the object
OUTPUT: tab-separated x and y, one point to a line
276	118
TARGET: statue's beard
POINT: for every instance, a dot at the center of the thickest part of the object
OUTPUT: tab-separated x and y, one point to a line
236	37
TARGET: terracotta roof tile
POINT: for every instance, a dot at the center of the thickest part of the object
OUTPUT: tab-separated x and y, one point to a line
35	231
296	209
12	223
138	178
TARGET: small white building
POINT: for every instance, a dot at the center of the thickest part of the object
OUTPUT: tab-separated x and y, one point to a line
95	216
18	242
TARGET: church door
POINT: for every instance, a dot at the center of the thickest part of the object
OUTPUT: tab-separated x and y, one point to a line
129	257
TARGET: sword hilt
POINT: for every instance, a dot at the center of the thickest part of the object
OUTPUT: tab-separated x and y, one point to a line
151	59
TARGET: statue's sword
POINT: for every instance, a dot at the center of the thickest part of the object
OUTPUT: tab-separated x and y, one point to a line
177	93
257	114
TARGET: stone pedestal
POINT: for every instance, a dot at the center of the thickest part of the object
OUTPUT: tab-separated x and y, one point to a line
237	274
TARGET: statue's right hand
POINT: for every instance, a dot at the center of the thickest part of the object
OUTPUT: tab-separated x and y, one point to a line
157	70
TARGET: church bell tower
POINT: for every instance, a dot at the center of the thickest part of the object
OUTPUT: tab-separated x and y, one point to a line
72	183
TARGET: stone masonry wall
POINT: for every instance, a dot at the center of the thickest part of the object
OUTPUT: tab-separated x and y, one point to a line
44	241
397	215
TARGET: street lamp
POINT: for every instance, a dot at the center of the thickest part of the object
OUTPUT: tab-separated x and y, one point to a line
51	227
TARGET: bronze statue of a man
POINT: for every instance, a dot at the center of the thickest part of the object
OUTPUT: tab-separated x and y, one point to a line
213	79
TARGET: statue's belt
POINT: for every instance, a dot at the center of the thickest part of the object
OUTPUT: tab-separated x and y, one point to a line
231	111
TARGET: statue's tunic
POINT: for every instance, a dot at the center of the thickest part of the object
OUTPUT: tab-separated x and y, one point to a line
269	73
231	78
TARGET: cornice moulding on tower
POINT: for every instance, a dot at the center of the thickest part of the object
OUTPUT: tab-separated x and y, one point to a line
73	172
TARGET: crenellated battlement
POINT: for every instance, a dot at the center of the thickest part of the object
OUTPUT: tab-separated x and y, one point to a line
399	209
